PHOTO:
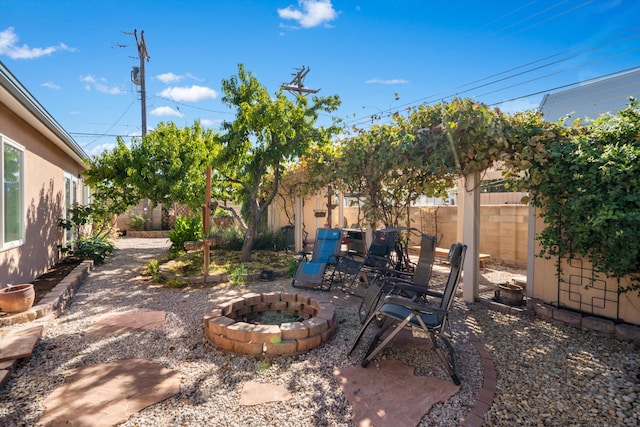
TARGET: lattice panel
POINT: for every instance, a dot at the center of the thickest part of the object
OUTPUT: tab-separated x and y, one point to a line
581	289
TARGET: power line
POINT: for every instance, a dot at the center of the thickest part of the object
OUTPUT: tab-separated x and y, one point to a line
430	98
110	127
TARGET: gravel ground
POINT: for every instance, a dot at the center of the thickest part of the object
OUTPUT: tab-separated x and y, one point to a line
547	374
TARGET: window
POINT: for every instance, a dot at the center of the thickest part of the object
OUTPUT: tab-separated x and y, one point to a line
70	199
12	197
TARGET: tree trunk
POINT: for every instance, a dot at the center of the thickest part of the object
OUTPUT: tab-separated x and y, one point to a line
252	229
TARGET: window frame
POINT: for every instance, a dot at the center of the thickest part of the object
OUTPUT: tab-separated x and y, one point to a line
6	141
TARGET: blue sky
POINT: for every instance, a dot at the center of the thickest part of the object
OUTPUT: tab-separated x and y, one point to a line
379	56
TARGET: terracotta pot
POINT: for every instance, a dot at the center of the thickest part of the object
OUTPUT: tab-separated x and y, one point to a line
17	298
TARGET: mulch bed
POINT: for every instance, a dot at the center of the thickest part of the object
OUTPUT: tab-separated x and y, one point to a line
44	283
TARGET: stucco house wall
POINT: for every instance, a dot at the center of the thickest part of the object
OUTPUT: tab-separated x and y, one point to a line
49	156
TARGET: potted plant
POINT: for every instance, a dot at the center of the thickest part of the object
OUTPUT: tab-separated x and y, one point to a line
17	298
222	217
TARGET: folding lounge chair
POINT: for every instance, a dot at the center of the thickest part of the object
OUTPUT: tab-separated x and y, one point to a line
401	311
326	252
383	253
393	281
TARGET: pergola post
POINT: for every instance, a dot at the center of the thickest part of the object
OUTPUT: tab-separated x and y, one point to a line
297	223
469	233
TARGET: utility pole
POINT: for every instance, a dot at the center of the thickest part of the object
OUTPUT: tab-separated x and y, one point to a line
142	54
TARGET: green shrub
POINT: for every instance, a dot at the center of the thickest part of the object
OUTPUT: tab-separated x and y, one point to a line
232	237
238	275
185	230
137	222
152	269
222	213
273	240
94	248
293	267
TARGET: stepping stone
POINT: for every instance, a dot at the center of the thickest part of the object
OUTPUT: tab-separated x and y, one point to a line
126	322
254	393
19	343
387	394
108	394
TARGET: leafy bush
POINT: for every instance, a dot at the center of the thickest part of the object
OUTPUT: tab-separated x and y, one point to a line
222	213
232	237
185	230
137	222
238	275
293	267
94	248
274	240
152	269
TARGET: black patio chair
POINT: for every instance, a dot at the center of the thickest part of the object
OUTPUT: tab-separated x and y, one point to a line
432	319
410	283
384	252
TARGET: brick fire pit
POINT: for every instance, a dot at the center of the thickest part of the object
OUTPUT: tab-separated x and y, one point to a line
232	326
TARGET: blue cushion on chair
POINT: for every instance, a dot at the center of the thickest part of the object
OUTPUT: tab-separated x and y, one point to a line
400	313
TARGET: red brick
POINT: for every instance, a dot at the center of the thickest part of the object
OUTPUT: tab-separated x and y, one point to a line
222	343
214	312
327	313
261	307
241	311
316	325
252	348
315	304
252	298
309	310
293	307
219	324
279	306
309	343
284	347
293	330
328	334
303	299
270	297
266	333
226	309
289	297
237	304
239	331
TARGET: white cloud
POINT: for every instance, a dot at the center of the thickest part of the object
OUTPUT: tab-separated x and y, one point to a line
388	82
9	47
51	85
166	111
207	122
169	77
174	78
100	84
310	13
189	94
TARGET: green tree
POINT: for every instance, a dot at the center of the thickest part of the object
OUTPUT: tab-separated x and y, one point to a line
266	133
108	177
169	163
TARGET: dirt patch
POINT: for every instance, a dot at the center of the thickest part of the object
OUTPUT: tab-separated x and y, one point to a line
44	283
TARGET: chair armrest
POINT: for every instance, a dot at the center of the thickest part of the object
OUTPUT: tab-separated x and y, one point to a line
412	305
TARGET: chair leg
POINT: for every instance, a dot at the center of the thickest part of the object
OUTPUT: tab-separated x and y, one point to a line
370	301
360	333
446	355
371	353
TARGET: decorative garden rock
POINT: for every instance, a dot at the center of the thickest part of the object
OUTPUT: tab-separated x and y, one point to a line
17	298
